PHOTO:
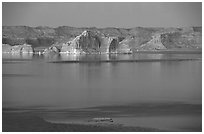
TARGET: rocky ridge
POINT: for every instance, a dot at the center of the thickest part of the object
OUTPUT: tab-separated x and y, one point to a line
22	39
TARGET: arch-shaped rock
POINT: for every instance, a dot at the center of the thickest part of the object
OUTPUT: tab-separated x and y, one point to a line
87	42
113	45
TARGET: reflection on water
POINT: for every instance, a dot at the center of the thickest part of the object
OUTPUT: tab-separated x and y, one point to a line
84	57
37	83
91	84
17	55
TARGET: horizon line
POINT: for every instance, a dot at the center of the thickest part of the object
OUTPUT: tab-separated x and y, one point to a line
100	27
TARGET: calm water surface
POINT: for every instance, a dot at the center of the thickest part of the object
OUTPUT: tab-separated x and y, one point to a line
144	89
30	80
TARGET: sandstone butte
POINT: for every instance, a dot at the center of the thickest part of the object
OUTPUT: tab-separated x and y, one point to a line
22	39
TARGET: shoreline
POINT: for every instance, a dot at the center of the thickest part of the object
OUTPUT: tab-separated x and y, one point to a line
144	117
121	61
25	122
167	51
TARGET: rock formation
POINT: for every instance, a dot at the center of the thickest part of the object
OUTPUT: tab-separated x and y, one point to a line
98	40
190	40
113	45
6	48
89	42
25	48
109	44
154	44
86	42
125	46
52	49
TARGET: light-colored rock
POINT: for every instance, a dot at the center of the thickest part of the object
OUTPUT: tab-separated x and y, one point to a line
105	119
86	42
52	49
129	44
6	48
105	43
154	44
125	46
70	49
109	44
27	48
16	49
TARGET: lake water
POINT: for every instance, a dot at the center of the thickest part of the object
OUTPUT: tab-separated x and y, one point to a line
29	80
34	81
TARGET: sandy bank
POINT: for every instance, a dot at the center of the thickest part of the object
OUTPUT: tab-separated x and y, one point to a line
25	122
142	117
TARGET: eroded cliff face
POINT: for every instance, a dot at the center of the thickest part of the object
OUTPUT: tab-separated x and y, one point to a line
89	42
98	40
114	45
128	45
86	42
105	43
154	44
110	45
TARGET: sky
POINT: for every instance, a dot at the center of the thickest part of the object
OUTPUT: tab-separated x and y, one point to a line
123	15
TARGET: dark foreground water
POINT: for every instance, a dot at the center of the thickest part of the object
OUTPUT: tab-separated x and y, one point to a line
36	82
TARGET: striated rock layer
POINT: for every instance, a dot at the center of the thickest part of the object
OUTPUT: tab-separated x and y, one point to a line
86	42
98	40
90	42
